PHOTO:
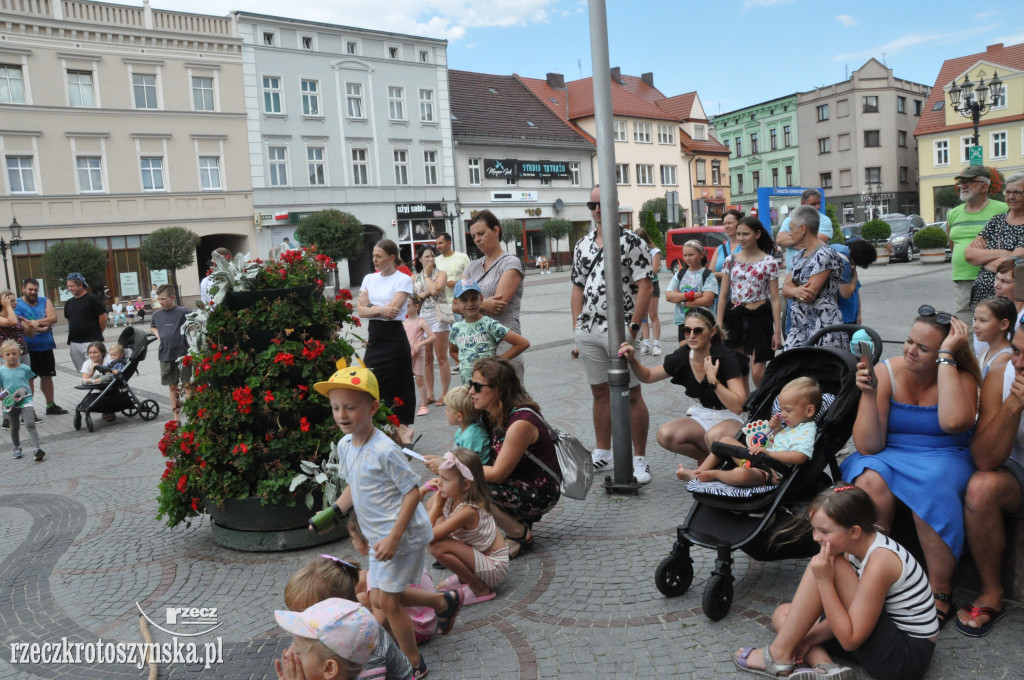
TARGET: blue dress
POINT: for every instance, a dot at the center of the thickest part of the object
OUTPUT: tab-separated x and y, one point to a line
924	467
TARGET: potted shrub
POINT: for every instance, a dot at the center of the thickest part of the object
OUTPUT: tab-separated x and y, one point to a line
931	241
253	418
878	233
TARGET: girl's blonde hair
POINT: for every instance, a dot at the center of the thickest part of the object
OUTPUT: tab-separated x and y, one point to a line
460	401
347	669
478	493
9	344
699	247
319	579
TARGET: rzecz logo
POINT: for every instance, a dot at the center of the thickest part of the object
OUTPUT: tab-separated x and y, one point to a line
186	620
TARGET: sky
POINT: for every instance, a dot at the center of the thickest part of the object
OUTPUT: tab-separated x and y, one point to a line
734	53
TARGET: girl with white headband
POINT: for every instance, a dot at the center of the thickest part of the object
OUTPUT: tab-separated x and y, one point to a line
466	539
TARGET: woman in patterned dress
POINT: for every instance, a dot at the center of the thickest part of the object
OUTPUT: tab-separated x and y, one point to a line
812	283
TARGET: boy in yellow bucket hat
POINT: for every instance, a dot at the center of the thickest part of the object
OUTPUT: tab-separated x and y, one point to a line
385	493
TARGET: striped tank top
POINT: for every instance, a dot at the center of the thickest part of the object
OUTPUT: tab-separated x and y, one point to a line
909	601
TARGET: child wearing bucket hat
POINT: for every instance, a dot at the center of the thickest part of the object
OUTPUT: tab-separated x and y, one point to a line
384	491
333	639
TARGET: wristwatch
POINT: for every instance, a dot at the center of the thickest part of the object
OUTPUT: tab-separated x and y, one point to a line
635	327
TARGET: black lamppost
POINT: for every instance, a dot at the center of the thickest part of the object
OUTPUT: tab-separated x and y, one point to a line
5	246
971	101
451	216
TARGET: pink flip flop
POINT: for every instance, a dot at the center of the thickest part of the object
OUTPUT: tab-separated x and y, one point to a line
423	411
469	598
450	583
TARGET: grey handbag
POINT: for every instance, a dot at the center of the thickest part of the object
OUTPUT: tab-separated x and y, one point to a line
574	462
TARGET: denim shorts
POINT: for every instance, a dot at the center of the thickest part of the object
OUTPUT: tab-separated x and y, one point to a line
395	575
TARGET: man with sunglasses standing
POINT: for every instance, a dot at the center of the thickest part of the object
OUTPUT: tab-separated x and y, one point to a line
964	223
590	322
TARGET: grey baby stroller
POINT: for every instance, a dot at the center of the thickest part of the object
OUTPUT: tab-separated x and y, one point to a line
729	522
116	394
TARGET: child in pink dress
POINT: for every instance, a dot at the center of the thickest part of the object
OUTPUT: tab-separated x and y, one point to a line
418	331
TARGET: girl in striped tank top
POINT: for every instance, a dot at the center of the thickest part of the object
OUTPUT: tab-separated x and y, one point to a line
877	602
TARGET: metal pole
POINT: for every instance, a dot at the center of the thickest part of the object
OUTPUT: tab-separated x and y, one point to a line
3	253
976	119
618	371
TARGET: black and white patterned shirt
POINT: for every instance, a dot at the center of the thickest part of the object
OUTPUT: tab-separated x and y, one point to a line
636	266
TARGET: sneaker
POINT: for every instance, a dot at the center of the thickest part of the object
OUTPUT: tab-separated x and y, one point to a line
645	350
36	419
656	350
17	453
641	470
54	410
601	458
455	369
689	411
39	454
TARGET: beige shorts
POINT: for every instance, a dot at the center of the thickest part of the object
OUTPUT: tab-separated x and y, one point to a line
593	347
962	302
492	567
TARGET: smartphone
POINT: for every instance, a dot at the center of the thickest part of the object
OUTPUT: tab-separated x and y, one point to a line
865	355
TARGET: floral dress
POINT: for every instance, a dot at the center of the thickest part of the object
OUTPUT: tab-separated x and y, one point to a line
999	235
810	317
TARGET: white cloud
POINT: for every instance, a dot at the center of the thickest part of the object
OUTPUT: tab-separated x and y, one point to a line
846	20
754	4
911	40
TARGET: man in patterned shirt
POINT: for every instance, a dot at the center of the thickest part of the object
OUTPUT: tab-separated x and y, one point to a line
590	318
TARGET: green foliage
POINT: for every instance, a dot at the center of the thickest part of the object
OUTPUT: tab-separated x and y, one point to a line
79	256
336	234
170	248
931	237
838	237
556	228
876	231
511	229
657	205
947	197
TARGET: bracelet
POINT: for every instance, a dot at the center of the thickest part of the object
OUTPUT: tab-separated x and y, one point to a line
948	362
715	384
945	351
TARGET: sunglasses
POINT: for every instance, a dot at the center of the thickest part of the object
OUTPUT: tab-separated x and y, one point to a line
476	387
941	318
696	330
593	205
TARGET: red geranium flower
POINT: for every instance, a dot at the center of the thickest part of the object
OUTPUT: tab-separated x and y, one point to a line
393	419
195	505
285	358
304	424
399	402
182	483
268	396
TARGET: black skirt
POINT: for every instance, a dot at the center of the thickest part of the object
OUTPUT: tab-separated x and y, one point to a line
750	331
389	356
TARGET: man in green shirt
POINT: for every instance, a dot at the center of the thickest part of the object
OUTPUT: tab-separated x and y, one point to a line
964	223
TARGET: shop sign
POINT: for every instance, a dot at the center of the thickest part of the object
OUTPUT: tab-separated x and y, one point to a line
510	168
406	211
499	168
129	284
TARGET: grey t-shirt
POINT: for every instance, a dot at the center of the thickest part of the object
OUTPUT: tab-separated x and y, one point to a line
168	325
488	281
387	654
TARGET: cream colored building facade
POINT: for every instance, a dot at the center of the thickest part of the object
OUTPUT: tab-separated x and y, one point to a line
114	122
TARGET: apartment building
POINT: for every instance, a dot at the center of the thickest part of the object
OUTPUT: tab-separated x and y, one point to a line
116	121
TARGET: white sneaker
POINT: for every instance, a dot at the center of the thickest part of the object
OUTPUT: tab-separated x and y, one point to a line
641	470
689	411
656	350
602	459
645	350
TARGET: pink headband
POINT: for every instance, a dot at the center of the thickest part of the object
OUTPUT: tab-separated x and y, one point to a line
338	560
450	461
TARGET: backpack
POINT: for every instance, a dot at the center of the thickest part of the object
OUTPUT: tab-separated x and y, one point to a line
703	277
576	469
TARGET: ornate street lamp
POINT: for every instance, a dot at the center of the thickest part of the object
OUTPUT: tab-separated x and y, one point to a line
451	216
974	101
5	246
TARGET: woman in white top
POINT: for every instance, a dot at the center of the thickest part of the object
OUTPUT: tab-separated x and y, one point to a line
429	285
382	300
651	327
995	320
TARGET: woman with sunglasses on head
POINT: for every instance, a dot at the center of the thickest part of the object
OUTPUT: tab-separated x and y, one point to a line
711	374
1001	238
913	435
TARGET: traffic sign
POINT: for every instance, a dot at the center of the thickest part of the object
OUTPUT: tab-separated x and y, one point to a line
976	155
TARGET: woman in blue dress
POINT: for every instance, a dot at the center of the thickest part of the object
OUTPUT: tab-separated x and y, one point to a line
913	434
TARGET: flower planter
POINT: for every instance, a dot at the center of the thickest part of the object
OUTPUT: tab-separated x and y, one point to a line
246	524
260	339
883	255
933	255
243	299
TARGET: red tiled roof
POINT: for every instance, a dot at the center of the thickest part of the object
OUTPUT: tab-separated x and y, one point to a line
554	100
710	146
935	121
680	107
637	87
624	103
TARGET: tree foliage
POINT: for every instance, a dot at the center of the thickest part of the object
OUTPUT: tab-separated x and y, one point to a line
170	248
947	197
838	237
511	229
79	256
557	228
336	234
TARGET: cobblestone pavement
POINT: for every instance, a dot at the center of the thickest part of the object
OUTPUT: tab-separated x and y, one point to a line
81	552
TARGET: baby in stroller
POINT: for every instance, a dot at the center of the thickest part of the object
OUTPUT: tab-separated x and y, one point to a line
789	441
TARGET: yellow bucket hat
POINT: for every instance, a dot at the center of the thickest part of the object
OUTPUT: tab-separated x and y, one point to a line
358	378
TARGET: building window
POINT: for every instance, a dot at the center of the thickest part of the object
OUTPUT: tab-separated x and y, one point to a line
727	145
700	133
12	85
848	210
474	172
775	178
822	112
844	142
825	179
277	155
209	173
360	171
716	172
998	145
870	103
700	170
427	106
842	108
825	145
424	57
642	133
152	174
941	147
392	52
668	175
316	166
268	39
574	173
872	175
773	139
901	104
545	181
666	134
739	147
917	107
904	174
307	42
20	176
872	138
354	95
756	178
396	102
1001	102
644	174
845	178
965	145
739	183
402	167
619	130
271	94
311	98
90	176
144	87
753	143
80	89
430	166
901	138
789	175
621	173
787	136
351	47
202	93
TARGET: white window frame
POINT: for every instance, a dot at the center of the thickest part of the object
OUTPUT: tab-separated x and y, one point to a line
619	130
994	145
158	103
430	167
21	173
154	173
1001	104
869	180
352	47
311	98
700	172
666	134
755	179
773	139
401	160
393	52
355	98
274	89
669	176
775	178
700	133
206	177
360	166
622	174
789	175
202	91
644	174
424	56
755	142
966	142
22	78
787	136
396	103
277	165
822	113
316	159
474	172
739	183
269	39
575	176
825	180
940	153
91	172
901	135
91	86
716	173
901	104
303	38
427	106
641	132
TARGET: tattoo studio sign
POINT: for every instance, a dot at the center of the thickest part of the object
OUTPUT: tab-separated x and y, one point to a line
510	168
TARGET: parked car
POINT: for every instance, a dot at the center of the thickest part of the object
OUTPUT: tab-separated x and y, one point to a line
944	227
851	232
710	237
902	238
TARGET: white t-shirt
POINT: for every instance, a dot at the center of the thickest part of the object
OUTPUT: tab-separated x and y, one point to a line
382	290
453	265
88	367
117	308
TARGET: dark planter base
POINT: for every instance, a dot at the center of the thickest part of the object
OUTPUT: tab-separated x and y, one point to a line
274	541
249	514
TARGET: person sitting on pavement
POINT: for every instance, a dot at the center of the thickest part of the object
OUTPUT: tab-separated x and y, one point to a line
96	355
542	265
332	639
117	317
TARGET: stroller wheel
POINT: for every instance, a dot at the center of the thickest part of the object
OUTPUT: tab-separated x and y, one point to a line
78	420
88	423
673	576
717	597
130	412
149	410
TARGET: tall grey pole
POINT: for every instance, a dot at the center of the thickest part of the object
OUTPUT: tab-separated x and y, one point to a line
618	371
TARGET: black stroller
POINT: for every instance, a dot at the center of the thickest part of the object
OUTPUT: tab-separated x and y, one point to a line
117	395
724	523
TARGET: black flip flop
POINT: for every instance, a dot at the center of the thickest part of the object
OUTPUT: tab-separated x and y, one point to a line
446	619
